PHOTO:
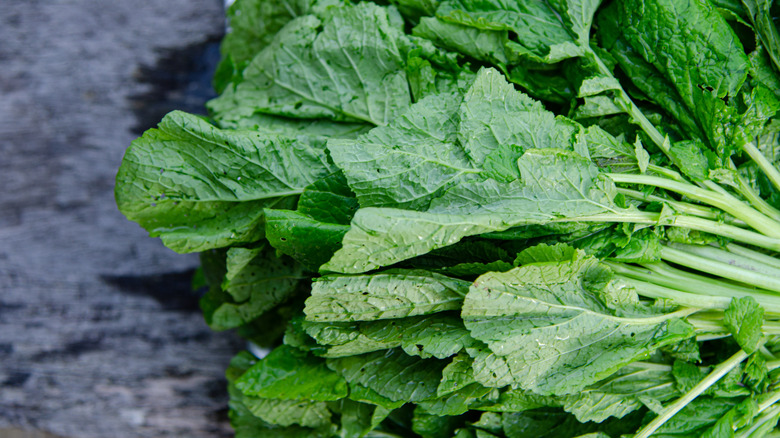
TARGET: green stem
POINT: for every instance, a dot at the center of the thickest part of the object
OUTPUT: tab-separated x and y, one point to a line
652	290
692	222
682	207
768	416
716	326
669	412
723	256
753	255
665	171
667	276
765	404
763	163
755	200
728	204
723	269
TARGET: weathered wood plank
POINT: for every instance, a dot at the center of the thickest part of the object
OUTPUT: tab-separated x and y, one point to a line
99	334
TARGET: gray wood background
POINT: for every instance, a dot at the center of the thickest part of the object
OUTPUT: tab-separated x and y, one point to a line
99	333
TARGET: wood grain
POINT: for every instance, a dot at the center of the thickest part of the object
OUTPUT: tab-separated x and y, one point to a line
99	333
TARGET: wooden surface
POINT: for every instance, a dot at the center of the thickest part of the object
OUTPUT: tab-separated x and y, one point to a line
99	333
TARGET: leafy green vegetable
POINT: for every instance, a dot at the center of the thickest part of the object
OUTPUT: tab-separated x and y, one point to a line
485	218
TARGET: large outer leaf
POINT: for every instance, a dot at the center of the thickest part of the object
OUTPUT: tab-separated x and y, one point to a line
552	328
497	123
693	46
624	392
555	184
689	42
482	44
198	187
545	31
439	335
408	162
346	64
388	294
392	374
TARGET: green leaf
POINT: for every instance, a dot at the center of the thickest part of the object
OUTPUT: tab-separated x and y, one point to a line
689	42
290	374
440	335
253	24
744	318
545	253
545	31
345	64
289	412
423	160
558	327
759	13
554	184
198	187
356	418
457	402
696	417
430	425
307	240
413	9
651	83
543	423
392	374
363	394
497	123
626	391
597	106
456	375
318	128
329	200
545	84
256	281
390	294
482	44
258	271
254	413
517	400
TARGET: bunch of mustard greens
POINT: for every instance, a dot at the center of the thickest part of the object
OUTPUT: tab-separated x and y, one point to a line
485	218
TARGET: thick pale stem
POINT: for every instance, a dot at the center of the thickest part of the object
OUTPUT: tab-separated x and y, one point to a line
682	207
728	204
722	269
669	412
755	200
753	255
729	258
765	165
664	275
692	222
